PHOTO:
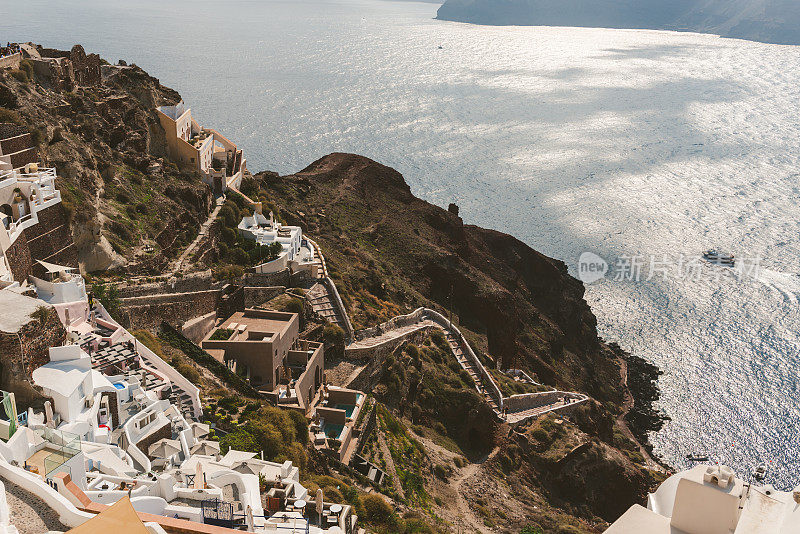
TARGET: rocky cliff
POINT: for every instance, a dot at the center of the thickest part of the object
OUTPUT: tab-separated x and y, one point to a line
128	205
769	21
390	251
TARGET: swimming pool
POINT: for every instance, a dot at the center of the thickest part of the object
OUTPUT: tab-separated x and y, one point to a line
348	408
332	431
119	385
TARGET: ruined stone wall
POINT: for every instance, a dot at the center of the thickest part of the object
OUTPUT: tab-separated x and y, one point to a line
175	308
24	351
19	258
85	68
255	296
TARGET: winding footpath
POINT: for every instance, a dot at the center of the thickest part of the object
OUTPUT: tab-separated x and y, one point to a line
424	318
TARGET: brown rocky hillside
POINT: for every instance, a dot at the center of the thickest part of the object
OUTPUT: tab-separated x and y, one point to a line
109	151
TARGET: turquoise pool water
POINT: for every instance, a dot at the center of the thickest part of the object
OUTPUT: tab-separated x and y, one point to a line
348	408
332	431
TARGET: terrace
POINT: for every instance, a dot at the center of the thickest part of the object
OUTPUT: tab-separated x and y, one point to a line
334	420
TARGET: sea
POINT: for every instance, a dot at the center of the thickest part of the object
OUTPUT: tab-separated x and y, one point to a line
624	153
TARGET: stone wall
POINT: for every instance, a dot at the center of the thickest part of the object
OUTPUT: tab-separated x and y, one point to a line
387	347
175	308
15	140
26	350
254	296
202	281
281	278
527	401
196	329
10	62
19	259
50	239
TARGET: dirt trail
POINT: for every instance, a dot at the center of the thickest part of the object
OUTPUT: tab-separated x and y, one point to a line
623	424
463	506
390	468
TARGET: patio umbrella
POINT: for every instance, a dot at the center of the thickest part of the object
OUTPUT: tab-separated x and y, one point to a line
319	502
164	448
200	430
248	468
207	448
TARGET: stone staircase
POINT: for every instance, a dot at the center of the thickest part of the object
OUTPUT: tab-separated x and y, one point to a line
458	352
322	303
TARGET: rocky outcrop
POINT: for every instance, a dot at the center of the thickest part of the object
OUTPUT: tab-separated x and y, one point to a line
385	244
109	150
28	329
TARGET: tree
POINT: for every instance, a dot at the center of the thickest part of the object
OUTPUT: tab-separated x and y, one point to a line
109	298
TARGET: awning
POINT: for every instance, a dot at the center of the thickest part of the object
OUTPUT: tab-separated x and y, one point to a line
119	518
53	268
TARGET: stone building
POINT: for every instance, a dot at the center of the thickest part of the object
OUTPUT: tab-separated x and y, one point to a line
218	160
64	70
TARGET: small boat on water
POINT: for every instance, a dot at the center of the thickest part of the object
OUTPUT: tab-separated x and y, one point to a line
697	457
760	472
720	258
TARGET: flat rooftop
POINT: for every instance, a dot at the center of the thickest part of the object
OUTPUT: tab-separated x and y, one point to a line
17	310
261	320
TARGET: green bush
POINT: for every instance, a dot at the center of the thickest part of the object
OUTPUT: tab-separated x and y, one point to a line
221	334
376	510
109	298
228	272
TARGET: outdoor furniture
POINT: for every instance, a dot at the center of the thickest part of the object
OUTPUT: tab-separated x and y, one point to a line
336	509
299	505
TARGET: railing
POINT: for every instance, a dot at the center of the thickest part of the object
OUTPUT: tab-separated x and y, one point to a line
468	352
66	445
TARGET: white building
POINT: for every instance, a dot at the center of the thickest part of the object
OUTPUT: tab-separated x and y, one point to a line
77	391
22	196
296	252
710	499
64	288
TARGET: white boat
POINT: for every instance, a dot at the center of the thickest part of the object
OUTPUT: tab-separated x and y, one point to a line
720	258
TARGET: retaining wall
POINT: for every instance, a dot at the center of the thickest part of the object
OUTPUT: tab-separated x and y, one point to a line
254	296
395	322
527	401
386	347
191	282
175	308
196	329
